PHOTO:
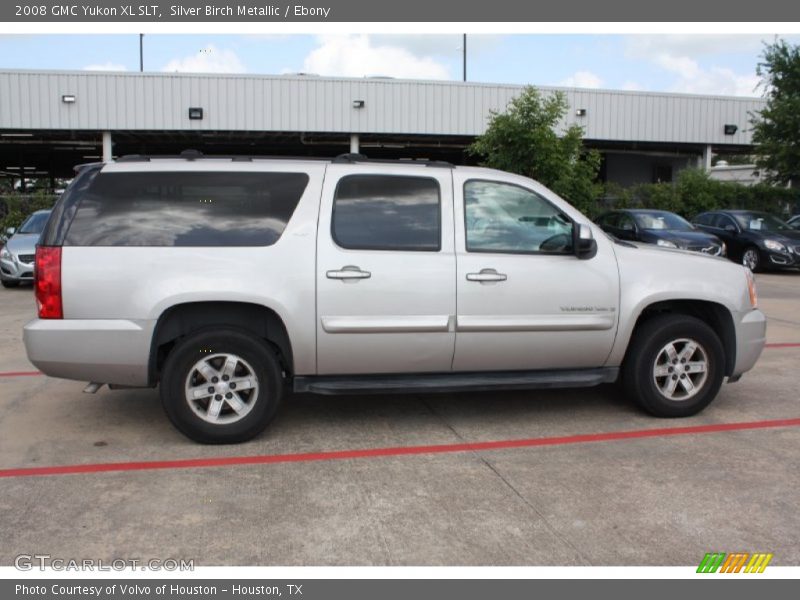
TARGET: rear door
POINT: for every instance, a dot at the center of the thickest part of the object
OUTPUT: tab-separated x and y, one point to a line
385	270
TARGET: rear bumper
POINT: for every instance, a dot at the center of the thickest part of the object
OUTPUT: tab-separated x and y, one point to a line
751	335
102	350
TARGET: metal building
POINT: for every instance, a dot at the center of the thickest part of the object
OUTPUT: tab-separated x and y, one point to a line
51	120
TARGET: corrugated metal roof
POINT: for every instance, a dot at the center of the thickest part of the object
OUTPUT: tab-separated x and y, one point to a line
160	101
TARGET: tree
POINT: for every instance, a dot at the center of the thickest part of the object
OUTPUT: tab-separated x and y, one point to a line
776	129
524	140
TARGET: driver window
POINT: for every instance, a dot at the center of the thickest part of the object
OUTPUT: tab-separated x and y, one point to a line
502	217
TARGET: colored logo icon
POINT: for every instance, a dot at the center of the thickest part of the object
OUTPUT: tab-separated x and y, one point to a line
736	562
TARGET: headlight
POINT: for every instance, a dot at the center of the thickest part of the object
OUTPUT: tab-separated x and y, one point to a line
666	244
773	245
4	253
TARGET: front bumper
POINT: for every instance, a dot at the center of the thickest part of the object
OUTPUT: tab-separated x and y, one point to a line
13	270
783	259
103	350
751	336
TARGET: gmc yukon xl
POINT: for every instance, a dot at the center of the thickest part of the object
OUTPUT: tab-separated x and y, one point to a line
227	281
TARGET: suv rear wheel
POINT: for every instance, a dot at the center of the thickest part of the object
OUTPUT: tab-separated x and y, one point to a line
221	386
674	367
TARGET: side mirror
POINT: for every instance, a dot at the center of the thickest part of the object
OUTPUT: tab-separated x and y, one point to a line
11	231
583	241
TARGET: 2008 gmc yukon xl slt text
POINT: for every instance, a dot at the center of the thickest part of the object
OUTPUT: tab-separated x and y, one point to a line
227	280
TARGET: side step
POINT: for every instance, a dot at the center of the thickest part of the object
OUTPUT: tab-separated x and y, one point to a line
454	382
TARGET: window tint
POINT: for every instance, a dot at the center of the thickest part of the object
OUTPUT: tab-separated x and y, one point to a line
608	220
722	221
704	219
626	223
387	212
502	217
186	209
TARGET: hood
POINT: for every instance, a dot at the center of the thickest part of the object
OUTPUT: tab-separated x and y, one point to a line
23	243
790	236
682	238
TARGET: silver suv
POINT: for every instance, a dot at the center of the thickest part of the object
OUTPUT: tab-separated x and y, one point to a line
227	281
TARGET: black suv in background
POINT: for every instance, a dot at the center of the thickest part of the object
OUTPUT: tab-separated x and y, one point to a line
659	227
758	240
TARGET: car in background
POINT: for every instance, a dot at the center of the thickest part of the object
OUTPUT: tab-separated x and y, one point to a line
794	222
659	227
758	240
18	253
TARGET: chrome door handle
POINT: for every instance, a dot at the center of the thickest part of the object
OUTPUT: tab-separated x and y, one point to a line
486	275
350	272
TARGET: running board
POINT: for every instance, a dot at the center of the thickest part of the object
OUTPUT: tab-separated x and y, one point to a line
454	382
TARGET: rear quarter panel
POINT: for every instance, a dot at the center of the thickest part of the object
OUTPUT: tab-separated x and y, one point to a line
140	283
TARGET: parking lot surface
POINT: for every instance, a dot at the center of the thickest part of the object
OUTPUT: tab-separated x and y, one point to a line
617	500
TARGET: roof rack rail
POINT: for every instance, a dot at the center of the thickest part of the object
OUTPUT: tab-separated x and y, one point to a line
133	158
349	158
352	157
196	155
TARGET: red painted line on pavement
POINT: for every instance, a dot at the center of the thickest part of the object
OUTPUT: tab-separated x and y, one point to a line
783	345
229	461
21	374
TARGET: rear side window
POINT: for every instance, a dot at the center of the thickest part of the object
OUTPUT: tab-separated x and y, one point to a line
186	209
608	220
722	221
387	212
704	219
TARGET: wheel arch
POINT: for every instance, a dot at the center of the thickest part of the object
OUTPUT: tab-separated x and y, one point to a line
183	319
713	314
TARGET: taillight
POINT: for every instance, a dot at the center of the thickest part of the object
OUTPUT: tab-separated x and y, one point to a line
47	282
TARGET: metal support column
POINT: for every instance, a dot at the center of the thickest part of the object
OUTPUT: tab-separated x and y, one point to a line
107	153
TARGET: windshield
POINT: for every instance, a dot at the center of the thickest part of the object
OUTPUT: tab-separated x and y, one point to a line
760	222
662	220
35	223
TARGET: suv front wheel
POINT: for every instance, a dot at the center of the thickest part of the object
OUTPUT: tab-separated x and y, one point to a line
221	386
675	366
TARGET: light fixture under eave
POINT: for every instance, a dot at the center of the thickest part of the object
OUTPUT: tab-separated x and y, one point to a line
731	129
195	113
358	104
581	112
68	98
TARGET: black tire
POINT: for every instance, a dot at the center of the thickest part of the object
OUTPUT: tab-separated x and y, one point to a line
638	371
9	284
180	365
758	267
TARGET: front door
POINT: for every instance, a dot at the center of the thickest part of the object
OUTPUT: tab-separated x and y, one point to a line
385	270
524	300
